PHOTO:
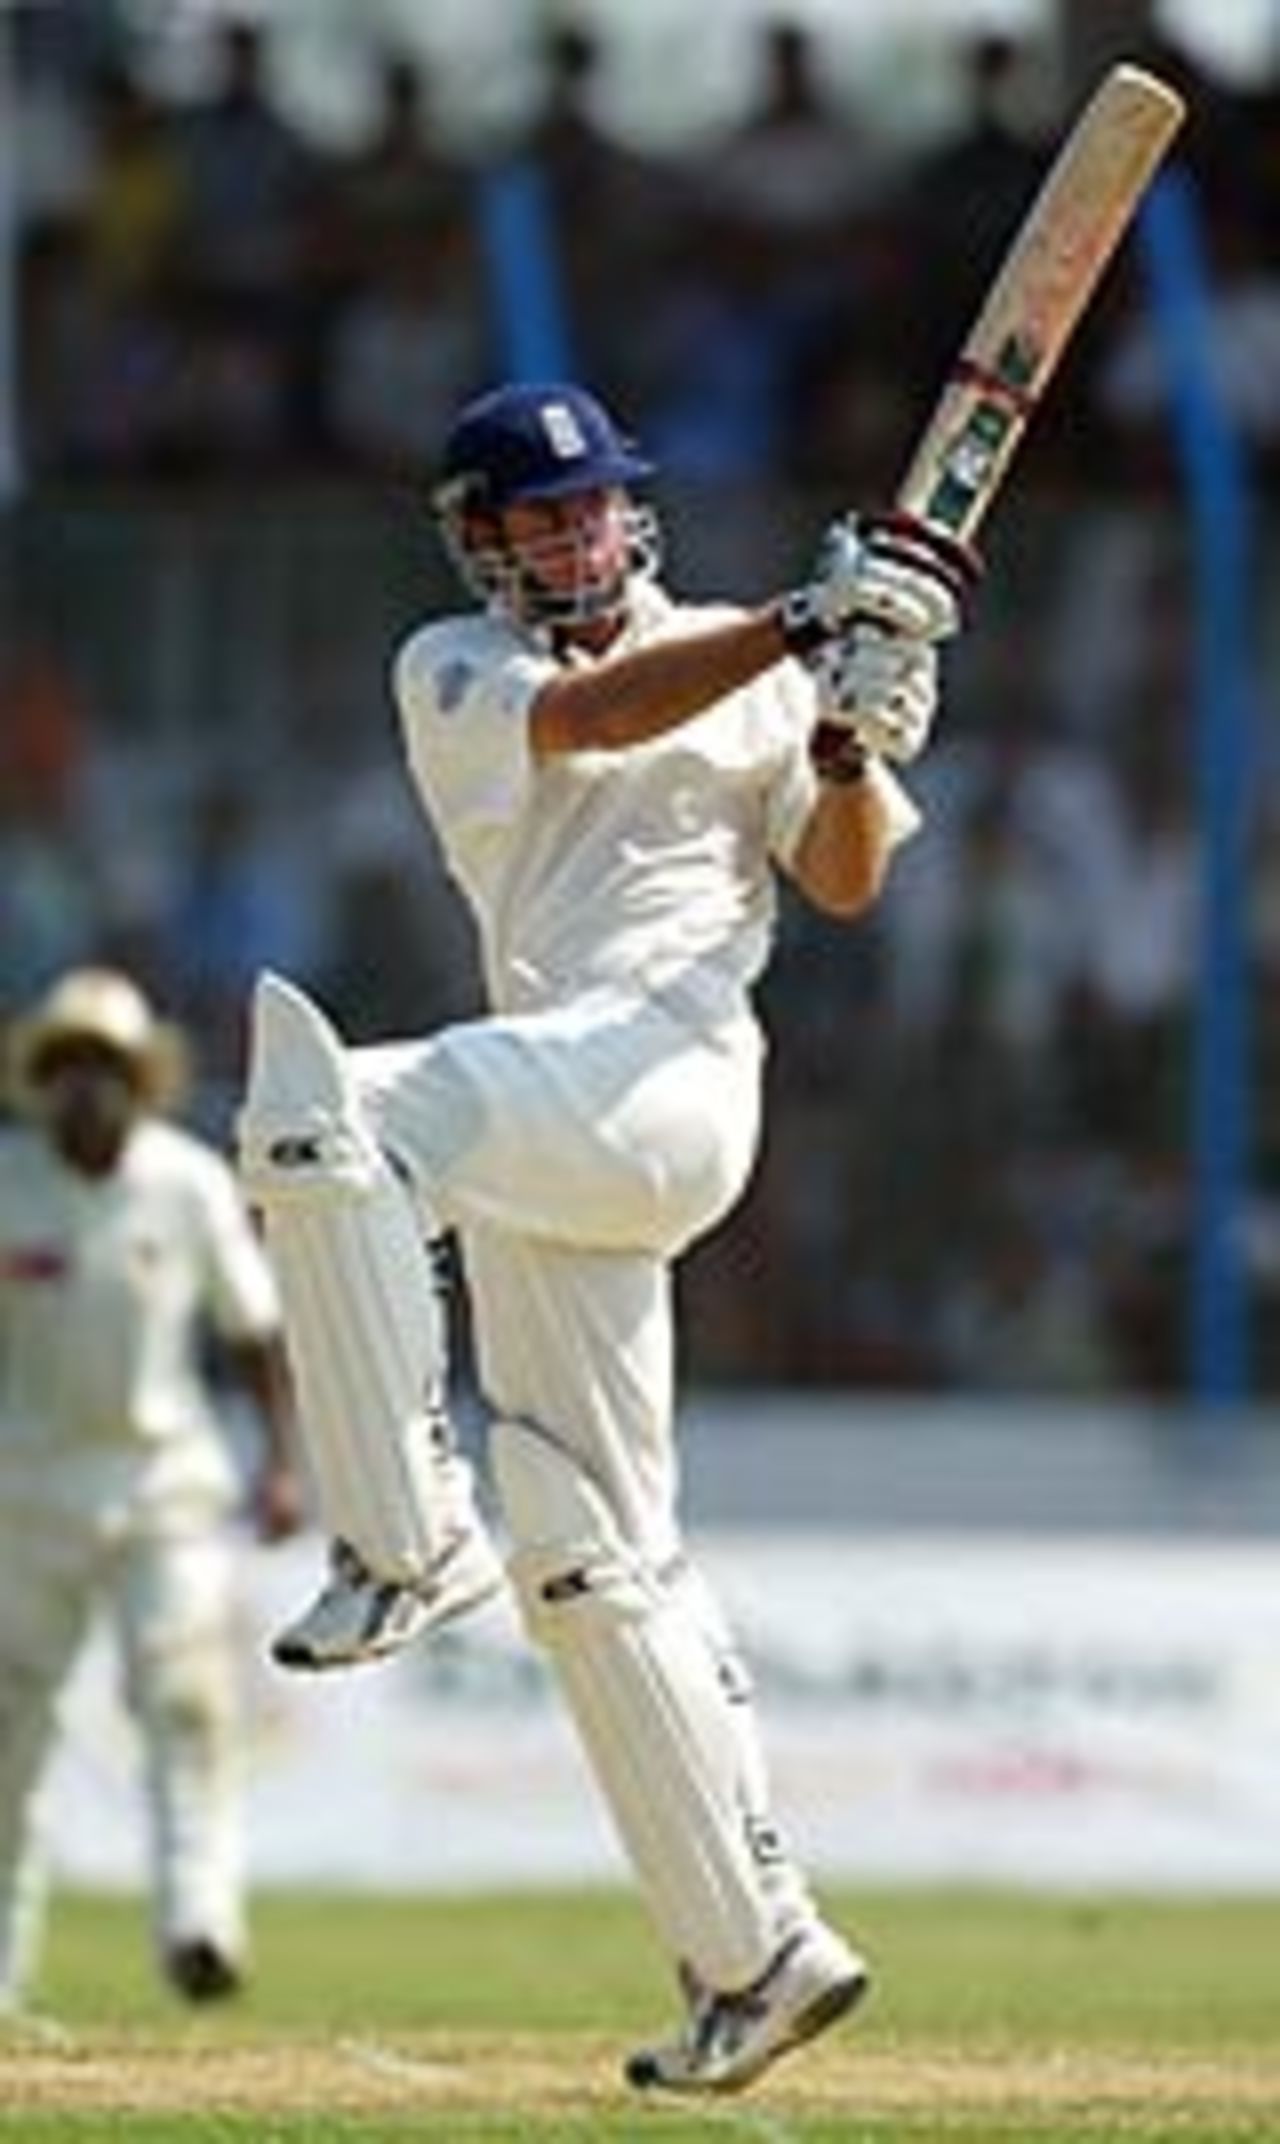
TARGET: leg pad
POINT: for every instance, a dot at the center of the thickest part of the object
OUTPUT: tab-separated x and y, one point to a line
648	1705
363	1322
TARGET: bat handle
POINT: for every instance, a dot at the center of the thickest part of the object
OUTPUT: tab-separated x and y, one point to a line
905	537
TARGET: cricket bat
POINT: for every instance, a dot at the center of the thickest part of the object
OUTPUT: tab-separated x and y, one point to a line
1048	276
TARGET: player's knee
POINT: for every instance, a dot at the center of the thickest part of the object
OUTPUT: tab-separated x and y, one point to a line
568	1561
184	1689
301	1132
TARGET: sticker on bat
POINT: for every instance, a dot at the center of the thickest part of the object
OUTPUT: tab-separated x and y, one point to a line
967	462
1017	361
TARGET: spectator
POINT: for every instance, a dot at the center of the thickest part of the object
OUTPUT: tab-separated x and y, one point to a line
612	208
798	169
248	179
400	183
768	245
722	350
135	209
405	346
962	199
225	397
251	284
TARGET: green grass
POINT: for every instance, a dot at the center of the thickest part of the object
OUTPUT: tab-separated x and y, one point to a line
488	2020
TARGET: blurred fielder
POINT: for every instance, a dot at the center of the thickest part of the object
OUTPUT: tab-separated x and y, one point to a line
616	777
120	1235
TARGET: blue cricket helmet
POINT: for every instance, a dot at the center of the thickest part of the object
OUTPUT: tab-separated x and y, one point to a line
536	441
530	441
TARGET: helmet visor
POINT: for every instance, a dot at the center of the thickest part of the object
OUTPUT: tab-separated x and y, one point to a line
569	570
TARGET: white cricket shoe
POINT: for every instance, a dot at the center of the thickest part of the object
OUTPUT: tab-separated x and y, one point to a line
358	1616
730	2040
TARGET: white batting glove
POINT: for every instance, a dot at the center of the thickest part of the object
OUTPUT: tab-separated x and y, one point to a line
873	572
880	689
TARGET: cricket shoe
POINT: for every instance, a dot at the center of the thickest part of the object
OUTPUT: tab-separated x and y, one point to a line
202	1971
358	1616
730	2040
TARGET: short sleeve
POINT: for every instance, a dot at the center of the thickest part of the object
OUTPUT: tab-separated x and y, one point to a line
463	694
240	1288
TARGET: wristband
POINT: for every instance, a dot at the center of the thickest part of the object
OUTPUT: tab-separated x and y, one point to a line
803	631
836	755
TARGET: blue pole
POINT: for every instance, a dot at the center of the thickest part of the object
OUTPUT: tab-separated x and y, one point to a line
1214	470
517	231
10	458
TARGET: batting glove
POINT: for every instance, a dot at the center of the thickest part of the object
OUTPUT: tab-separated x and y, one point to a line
885	570
877	690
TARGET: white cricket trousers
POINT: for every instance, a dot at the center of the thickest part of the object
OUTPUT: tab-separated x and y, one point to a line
168	1595
577	1152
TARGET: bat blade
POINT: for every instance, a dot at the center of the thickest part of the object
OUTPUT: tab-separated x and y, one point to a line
1047	278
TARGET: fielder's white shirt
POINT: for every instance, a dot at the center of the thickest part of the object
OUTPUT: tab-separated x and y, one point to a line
105	1284
648	868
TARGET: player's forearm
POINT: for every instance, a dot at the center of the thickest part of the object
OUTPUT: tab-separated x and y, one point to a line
843	854
261	1368
623	699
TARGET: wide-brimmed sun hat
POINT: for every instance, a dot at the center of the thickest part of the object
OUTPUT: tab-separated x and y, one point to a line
99	1005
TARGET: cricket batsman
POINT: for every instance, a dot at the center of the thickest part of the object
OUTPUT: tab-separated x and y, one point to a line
618	778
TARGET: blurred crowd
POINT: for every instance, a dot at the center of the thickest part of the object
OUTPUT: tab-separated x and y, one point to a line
205	291
237	352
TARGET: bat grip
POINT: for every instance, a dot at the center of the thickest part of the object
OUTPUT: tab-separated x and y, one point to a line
897	534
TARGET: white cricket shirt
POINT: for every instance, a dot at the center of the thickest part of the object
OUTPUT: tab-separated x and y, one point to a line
648	868
104	1284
